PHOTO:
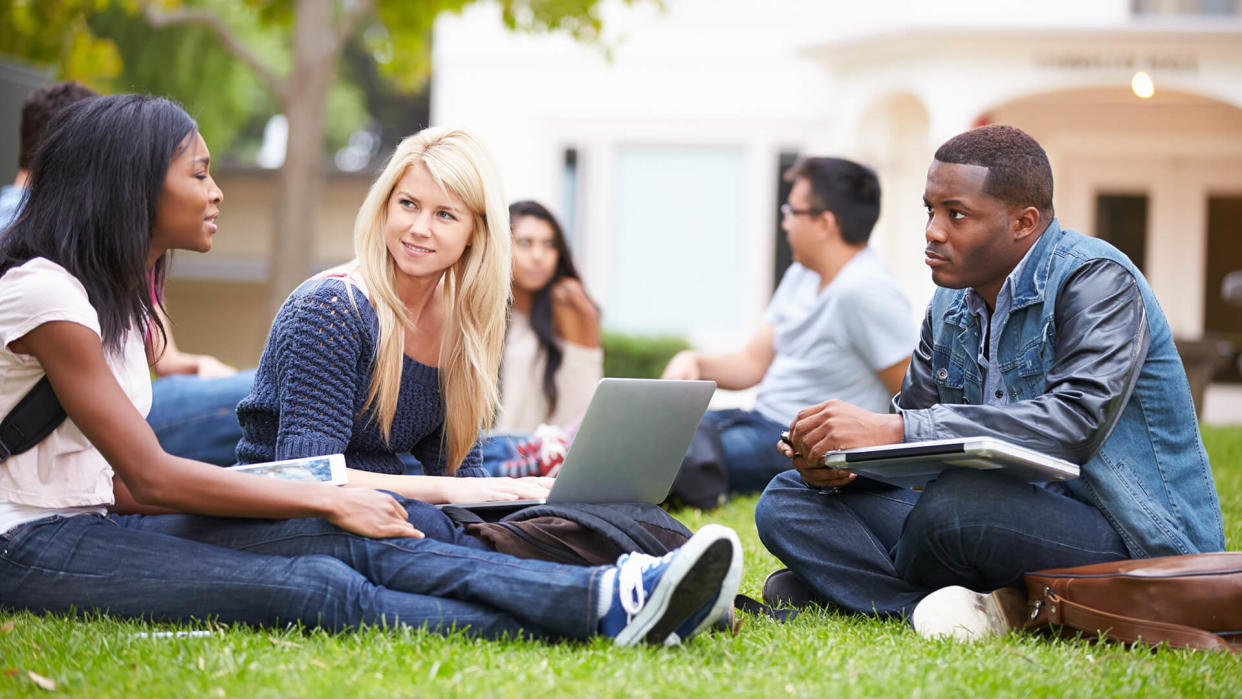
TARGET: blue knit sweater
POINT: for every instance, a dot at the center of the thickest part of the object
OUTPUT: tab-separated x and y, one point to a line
312	381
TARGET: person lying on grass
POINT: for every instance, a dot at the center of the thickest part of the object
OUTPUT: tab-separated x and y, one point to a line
1037	335
120	181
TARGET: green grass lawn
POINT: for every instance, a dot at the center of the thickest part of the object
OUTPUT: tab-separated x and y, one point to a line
817	654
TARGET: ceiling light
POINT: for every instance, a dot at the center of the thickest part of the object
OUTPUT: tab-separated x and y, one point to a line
1142	85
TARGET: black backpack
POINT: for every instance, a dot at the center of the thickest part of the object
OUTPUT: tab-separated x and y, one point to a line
702	481
592	534
579	533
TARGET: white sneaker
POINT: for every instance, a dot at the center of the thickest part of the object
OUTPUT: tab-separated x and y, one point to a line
965	615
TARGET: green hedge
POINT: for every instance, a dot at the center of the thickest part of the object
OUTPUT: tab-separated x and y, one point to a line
639	356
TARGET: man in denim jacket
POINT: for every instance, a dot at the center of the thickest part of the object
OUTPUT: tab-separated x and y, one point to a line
1037	335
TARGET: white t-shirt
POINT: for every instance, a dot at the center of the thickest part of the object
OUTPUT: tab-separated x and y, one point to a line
830	343
522	403
63	474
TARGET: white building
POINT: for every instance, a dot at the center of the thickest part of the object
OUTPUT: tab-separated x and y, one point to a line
665	161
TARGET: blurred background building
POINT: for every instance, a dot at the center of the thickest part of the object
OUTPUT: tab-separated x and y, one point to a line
662	147
666	160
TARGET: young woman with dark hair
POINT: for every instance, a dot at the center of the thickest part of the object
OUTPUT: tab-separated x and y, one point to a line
553	357
120	181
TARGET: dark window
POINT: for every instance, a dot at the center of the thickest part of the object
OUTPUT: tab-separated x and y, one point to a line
1221	318
784	256
1121	219
569	197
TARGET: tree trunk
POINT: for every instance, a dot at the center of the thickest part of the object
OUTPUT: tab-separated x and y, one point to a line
315	52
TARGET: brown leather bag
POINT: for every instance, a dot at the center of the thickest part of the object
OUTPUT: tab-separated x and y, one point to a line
1190	601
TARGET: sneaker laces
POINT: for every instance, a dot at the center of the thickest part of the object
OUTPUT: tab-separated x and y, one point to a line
630	589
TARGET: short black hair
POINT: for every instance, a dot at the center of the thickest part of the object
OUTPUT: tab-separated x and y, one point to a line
1019	173
40	107
849	190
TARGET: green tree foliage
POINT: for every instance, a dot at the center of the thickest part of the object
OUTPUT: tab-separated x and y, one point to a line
224	95
55	32
192	50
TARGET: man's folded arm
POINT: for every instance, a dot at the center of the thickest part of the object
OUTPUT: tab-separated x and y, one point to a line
1101	342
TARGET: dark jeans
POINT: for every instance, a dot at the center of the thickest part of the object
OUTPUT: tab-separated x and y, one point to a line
749	440
877	549
270	572
196	418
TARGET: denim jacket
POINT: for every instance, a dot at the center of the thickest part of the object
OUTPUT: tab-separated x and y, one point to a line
1093	376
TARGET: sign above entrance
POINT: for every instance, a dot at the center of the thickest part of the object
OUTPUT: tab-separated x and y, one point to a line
1118	61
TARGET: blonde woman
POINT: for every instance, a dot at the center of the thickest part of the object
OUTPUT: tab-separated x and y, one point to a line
398	351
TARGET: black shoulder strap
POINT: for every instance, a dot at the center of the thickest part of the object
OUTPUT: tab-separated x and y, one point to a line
461	516
33	418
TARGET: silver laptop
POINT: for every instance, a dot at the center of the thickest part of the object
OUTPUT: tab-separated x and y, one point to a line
913	464
629	445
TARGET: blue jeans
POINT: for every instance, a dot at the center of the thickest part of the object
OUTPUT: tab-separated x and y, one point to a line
272	572
749	440
514	455
196	418
876	549
498	449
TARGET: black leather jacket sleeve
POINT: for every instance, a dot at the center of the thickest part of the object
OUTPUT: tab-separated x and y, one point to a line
1100	345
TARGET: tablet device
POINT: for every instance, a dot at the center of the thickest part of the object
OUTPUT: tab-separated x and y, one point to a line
913	464
329	469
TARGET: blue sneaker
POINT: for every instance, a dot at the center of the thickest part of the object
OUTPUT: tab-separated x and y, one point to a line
653	597
716	607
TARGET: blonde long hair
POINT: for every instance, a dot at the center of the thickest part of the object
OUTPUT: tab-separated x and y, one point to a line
475	289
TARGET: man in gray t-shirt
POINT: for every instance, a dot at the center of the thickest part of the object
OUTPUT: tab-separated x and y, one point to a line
838	327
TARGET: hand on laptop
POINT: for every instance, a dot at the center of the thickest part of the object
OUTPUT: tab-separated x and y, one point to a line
497	489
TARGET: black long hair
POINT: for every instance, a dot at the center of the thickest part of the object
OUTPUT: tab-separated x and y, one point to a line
541	308
94	188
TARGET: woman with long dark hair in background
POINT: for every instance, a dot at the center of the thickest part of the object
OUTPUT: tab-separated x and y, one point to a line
553	357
